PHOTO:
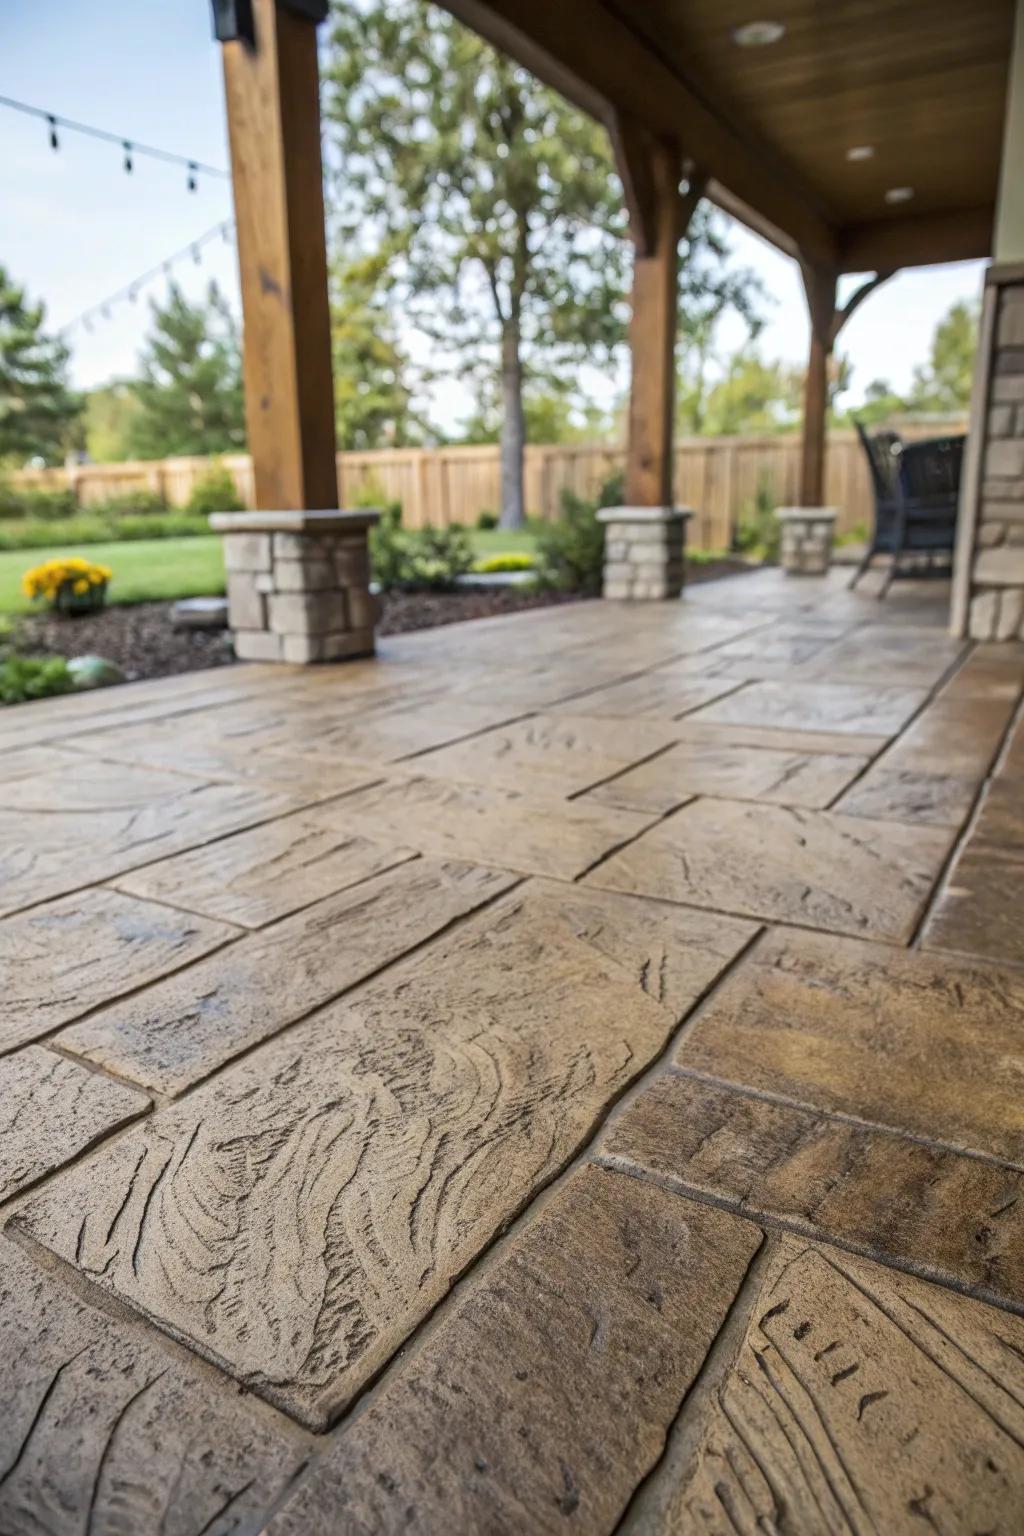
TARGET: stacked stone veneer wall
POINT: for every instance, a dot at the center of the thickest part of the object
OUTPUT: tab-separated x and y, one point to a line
299	585
997	577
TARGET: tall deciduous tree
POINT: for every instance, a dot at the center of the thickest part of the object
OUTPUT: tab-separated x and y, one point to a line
37	409
501	198
189	389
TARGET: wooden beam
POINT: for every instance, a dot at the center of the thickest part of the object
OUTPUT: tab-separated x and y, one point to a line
652	335
820	288
273	108
853	303
920	241
632	147
592	55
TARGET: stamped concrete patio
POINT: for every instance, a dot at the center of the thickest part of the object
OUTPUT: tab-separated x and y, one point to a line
564	1075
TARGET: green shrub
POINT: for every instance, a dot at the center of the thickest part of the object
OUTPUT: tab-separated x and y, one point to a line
387	548
513	560
570	551
439	555
41	506
138	503
90	529
214	491
858	534
486	521
429	559
758	533
28	677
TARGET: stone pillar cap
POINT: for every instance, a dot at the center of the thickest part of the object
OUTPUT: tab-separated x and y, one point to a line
806	514
644	514
331	521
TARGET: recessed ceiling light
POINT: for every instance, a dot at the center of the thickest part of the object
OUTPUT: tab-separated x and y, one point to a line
860	152
899	194
758	34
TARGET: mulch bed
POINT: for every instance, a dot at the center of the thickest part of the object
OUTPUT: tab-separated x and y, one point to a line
142	641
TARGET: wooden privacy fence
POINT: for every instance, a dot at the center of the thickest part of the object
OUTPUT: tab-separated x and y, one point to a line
719	477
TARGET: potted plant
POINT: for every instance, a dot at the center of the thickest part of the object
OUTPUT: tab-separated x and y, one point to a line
70	585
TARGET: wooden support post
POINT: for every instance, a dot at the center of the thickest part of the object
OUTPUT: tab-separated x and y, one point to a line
651	171
820	288
273	108
826	323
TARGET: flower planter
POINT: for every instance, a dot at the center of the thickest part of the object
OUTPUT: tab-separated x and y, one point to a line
73	604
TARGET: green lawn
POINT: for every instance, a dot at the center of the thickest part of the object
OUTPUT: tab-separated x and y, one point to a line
146	570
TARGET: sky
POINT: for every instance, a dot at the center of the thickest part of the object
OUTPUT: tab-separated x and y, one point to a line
74	227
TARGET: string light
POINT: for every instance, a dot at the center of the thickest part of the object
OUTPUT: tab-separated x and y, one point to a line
131	147
130	292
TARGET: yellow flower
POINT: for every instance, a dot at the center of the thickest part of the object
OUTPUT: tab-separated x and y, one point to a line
47	580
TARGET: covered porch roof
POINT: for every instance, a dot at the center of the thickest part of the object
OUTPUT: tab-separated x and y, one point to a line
771	127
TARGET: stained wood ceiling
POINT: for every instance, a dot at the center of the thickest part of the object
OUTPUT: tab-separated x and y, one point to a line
922	85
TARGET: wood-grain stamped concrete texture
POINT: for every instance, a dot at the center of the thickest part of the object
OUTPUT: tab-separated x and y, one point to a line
562	1075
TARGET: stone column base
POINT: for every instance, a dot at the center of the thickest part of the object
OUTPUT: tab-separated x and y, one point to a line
644	552
299	584
806	539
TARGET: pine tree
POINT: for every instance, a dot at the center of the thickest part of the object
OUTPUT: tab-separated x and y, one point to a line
189	391
37	409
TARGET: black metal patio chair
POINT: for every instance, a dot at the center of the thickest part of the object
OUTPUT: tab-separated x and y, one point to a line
917	489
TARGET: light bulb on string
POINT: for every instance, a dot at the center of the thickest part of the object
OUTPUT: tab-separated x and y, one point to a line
133	293
192	175
197	256
127	157
54	140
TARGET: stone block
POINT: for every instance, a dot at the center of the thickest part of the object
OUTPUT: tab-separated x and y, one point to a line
990	534
247	552
1002	421
997	511
1010	331
257	645
984	615
618	571
297	546
350	558
1009	360
1000	568
1011	612
342	646
1004	458
1008	388
1015	534
363	607
264	581
307	613
615	549
1009	489
307	575
617	591
247	607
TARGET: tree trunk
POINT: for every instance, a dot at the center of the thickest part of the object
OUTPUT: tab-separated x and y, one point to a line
513	429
